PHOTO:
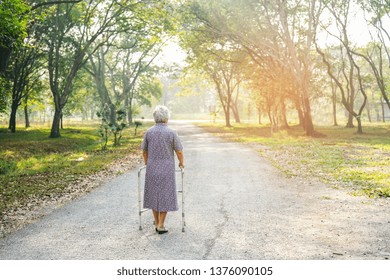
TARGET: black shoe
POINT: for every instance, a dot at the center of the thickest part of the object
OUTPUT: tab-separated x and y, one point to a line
161	230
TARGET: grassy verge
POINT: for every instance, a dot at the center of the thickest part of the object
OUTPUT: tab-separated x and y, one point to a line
341	159
33	165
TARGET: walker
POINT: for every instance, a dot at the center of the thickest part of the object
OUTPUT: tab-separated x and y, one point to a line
142	210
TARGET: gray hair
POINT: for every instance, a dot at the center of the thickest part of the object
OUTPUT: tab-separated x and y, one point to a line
161	114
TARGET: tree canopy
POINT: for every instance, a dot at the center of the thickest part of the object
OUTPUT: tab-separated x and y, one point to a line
279	57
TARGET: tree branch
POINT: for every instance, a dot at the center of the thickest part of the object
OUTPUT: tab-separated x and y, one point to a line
36	6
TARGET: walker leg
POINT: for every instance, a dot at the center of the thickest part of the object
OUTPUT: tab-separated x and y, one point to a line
183	223
139	197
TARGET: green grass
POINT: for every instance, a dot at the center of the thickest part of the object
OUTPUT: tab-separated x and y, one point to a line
32	164
341	158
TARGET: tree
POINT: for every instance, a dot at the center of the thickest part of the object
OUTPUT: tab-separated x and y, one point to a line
147	87
295	19
134	59
12	32
85	100
211	54
13	25
350	69
33	98
380	13
226	78
96	67
373	55
274	33
270	93
27	62
71	31
126	56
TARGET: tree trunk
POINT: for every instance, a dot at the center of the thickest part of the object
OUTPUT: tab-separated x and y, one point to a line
299	111
130	115
350	121
259	113
308	121
227	117
225	102
360	129
351	99
226	109
334	115
92	116
383	110
128	105
300	117
26	117
112	113
12	119
368	112
234	103
334	104
270	118
284	115
235	112
105	98
55	128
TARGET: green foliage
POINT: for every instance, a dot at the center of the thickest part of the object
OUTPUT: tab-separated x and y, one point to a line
105	125
118	127
13	21
107	128
6	167
5	89
83	99
148	87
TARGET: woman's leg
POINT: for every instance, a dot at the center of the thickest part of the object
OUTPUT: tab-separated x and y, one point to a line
161	219
156	217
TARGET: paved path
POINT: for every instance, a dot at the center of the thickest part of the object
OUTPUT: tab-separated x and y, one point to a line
237	207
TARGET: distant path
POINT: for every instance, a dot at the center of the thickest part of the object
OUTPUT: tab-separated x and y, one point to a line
237	207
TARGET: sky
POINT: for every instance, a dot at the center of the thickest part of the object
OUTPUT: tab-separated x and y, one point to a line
358	29
171	53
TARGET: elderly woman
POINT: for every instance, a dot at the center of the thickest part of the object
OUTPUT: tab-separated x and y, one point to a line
159	145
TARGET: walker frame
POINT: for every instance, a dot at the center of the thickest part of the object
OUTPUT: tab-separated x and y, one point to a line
181	191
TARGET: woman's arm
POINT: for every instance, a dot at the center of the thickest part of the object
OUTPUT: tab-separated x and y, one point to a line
180	157
145	155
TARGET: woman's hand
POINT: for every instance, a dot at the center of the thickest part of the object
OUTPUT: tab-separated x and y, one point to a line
180	157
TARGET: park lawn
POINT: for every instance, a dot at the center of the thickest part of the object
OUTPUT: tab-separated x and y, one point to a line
341	159
34	165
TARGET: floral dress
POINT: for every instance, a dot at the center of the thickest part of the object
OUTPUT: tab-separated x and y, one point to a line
160	180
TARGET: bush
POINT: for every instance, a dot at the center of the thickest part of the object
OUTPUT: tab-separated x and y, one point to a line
107	128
